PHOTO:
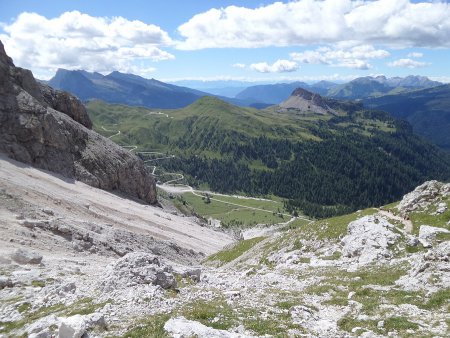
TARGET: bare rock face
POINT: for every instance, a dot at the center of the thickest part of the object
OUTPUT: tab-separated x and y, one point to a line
368	239
305	101
424	195
50	130
67	104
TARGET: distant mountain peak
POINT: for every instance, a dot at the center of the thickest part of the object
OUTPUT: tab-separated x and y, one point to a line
306	101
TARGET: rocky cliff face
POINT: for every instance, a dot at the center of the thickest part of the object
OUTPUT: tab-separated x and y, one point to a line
50	129
305	101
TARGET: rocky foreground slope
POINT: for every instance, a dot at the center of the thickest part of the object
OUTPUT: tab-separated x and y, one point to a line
50	129
69	249
375	273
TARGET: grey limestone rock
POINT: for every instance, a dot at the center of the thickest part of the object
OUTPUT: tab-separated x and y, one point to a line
50	130
72	327
423	196
5	282
22	256
139	268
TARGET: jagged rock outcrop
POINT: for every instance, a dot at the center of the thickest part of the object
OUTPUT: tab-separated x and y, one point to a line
305	101
66	103
430	192
50	130
139	268
368	239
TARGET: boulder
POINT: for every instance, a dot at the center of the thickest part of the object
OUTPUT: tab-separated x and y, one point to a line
42	334
139	268
51	130
5	282
95	320
193	273
368	239
23	256
40	328
181	327
72	327
428	233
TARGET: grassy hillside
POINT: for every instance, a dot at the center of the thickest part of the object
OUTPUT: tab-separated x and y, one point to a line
324	164
233	211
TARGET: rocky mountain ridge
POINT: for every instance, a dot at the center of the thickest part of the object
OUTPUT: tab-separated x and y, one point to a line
306	101
359	88
50	129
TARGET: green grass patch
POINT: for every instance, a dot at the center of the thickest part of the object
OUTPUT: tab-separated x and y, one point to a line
426	218
215	313
438	299
336	255
234	210
228	255
348	323
286	305
306	260
24	307
8	327
38	283
399	324
331	228
85	306
152	327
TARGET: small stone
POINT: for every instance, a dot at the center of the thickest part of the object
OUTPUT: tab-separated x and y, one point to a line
5	282
96	319
48	211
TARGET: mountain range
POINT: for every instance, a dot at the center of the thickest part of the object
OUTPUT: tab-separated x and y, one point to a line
427	110
131	90
429	117
123	88
322	155
359	88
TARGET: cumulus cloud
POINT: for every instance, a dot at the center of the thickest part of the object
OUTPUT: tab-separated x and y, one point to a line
355	57
400	23
79	41
407	63
415	55
239	65
279	66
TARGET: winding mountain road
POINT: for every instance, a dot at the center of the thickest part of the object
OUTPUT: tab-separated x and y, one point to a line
172	187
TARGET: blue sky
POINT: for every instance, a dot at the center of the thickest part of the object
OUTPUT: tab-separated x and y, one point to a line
306	40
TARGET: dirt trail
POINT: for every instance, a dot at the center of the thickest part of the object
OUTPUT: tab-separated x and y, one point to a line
407	223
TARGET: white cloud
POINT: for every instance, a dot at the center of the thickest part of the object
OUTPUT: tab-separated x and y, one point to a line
400	23
415	55
79	41
443	79
354	57
239	65
407	63
279	66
